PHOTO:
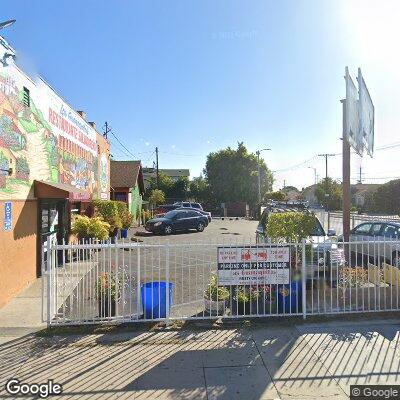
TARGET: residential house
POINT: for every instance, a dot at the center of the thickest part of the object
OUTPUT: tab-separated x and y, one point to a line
127	185
174	174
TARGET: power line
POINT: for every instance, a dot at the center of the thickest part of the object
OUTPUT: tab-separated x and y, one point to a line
107	130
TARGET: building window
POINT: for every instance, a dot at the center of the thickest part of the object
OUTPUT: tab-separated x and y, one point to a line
26	98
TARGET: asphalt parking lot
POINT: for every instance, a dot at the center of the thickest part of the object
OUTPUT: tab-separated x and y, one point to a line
218	231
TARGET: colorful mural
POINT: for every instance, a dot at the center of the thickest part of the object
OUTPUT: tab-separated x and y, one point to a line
43	138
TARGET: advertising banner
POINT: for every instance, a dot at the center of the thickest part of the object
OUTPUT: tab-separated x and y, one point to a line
269	264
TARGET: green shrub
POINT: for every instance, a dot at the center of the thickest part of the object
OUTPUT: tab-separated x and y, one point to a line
215	292
109	211
290	226
85	227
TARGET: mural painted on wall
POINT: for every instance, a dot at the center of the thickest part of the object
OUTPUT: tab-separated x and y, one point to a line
44	140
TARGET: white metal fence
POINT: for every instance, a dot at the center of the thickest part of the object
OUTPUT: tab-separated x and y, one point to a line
97	282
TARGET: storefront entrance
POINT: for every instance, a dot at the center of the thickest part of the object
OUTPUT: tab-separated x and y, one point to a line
53	224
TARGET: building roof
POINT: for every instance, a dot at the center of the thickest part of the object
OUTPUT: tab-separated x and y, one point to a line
168	172
126	174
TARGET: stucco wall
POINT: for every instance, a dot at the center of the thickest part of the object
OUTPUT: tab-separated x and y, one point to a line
17	249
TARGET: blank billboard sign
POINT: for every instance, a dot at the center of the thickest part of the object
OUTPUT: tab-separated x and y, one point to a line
366	115
352	131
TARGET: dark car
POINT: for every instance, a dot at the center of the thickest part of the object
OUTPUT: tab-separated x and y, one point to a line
177	220
205	213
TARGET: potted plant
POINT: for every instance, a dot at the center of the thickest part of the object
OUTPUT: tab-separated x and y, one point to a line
90	228
215	297
109	211
267	300
127	220
245	299
106	290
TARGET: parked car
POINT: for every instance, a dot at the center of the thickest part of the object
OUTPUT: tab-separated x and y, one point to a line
177	220
205	213
164	208
376	241
327	255
188	204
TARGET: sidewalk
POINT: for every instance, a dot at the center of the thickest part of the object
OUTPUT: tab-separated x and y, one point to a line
266	359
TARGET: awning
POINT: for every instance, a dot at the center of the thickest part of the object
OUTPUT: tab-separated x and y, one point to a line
51	190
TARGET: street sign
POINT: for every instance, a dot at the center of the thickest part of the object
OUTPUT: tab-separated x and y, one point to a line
251	265
7	216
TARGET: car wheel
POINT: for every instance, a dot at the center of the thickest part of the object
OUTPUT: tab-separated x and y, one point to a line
200	227
168	230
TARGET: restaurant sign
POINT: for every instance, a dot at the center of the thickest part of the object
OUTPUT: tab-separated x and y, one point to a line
251	265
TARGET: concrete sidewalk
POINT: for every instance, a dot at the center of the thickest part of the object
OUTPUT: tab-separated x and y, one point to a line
254	360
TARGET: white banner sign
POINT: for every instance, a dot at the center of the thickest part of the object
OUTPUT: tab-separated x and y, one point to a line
253	265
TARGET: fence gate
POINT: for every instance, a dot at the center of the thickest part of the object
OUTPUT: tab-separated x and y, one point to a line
95	282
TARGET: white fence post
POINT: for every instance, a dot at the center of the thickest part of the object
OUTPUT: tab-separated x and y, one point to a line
48	277
167	278
303	278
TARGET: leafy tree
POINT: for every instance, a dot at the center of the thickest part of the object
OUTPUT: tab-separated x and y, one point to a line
177	190
334	190
384	199
157	196
278	196
232	175
200	190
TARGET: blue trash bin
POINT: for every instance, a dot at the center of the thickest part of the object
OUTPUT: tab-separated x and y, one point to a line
124	233
291	303
154	299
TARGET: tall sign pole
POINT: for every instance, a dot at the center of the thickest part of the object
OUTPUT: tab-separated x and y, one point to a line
346	179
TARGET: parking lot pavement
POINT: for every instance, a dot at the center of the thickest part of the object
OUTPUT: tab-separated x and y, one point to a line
263	359
218	231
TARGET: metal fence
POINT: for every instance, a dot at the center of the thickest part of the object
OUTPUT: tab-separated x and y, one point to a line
124	282
334	220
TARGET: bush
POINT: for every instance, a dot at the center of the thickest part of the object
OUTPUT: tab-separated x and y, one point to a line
291	226
109	211
215	292
127	220
85	227
146	215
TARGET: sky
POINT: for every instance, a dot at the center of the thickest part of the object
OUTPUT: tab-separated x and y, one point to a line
192	77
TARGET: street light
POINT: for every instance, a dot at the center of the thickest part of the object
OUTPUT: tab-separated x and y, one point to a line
315	174
259	176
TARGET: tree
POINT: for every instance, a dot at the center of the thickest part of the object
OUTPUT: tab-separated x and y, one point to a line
384	199
278	196
157	196
334	190
199	190
232	175
177	190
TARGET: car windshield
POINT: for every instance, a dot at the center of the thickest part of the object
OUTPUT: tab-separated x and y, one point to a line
171	214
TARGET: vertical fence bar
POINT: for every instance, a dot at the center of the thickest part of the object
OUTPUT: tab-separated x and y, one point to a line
167	279
303	278
48	275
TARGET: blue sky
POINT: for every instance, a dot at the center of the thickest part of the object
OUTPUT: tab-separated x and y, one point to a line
193	77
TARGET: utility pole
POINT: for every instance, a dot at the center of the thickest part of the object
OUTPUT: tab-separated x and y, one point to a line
107	130
259	173
157	173
326	155
360	178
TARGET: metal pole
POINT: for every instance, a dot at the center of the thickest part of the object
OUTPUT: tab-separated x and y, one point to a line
259	177
157	174
346	180
303	279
